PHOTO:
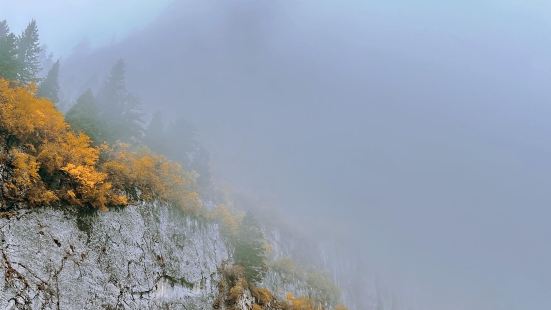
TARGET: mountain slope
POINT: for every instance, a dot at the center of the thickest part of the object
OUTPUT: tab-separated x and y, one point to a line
249	79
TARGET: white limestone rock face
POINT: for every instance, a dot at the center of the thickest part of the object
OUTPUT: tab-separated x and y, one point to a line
143	257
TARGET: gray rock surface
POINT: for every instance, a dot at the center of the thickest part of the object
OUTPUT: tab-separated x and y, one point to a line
141	257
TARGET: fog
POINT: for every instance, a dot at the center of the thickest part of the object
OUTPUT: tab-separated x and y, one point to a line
413	134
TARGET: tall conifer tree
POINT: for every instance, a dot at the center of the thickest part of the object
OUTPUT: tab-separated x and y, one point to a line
114	90
120	109
84	116
28	54
250	250
8	53
49	87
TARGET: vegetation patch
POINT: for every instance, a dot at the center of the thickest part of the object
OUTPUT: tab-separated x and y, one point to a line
51	164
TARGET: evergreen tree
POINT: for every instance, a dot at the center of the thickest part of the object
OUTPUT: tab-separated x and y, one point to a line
130	124
84	117
250	250
8	53
114	90
49	87
28	54
120	109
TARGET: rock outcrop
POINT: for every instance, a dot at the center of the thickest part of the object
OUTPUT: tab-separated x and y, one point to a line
141	257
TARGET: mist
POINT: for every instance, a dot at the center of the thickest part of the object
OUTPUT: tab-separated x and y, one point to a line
408	138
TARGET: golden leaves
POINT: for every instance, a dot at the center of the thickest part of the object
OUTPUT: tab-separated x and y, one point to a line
70	148
86	175
51	162
301	303
29	118
25	182
147	176
263	296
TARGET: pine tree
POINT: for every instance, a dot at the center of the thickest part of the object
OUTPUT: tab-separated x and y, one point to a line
120	109
8	53
84	117
250	250
49	87
28	54
114	89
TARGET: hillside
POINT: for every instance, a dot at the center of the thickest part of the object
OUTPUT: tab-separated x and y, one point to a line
262	94
91	216
377	154
58	251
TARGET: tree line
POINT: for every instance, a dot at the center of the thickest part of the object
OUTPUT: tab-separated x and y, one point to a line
20	60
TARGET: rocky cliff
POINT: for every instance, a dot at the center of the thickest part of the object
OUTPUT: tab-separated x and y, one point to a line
148	256
140	257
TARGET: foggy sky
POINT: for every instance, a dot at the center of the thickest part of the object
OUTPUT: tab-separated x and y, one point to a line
419	130
65	23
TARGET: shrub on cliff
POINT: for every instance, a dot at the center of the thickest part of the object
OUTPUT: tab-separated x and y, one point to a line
49	163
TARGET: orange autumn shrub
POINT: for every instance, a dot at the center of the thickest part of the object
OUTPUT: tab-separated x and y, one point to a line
91	187
27	118
262	296
26	184
301	303
142	175
71	148
50	163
